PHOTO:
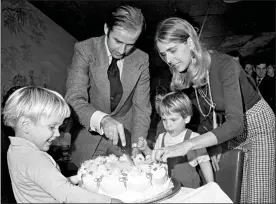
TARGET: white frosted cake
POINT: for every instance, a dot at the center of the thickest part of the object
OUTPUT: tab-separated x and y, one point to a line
118	178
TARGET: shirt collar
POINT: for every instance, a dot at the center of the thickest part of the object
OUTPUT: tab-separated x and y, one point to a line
107	50
109	54
18	141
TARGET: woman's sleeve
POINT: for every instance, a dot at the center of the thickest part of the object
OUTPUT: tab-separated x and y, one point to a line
233	126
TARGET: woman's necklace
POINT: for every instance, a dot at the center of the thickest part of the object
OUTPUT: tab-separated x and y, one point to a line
208	100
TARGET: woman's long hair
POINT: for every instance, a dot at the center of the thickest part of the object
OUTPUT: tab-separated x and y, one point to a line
177	30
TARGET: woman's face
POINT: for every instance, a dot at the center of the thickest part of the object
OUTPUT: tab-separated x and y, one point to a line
176	55
270	71
249	69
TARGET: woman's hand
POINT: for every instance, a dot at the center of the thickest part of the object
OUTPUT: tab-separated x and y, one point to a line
162	154
142	144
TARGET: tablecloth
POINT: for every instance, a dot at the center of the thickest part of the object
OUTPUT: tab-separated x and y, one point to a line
209	193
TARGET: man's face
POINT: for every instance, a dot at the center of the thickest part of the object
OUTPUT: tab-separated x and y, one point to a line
261	70
120	41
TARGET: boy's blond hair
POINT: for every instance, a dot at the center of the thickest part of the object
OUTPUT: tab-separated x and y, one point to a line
176	102
34	102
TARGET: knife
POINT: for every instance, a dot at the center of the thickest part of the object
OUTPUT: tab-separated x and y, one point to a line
129	158
126	152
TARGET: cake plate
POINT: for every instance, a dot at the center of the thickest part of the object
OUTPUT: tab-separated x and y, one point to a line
166	195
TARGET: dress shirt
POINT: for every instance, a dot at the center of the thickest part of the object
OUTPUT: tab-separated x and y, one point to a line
98	115
259	80
36	177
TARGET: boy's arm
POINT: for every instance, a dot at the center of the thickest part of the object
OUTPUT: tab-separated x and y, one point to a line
45	173
207	171
147	151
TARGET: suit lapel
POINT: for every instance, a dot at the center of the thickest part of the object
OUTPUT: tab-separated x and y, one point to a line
129	78
99	67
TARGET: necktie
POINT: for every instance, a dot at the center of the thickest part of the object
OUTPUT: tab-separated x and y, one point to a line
259	81
116	89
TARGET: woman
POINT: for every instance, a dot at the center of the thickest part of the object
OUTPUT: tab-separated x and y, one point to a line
222	83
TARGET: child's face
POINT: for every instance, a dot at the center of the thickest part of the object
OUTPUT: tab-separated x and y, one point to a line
174	123
45	131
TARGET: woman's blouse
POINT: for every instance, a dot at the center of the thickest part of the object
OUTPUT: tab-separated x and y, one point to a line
232	93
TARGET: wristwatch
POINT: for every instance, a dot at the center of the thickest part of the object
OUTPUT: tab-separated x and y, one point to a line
134	145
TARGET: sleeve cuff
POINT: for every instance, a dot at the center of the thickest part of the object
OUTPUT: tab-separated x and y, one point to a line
96	120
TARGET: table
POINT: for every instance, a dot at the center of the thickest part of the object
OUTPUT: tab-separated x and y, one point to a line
209	193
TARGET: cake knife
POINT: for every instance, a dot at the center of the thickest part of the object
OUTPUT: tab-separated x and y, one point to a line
126	153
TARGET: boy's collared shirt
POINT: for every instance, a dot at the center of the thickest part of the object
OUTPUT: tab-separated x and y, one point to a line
169	141
36	177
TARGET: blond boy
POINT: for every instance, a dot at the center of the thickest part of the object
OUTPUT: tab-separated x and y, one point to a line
35	114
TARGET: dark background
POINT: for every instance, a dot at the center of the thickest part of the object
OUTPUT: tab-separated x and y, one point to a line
245	26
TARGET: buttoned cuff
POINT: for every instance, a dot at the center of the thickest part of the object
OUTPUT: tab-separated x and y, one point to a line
95	121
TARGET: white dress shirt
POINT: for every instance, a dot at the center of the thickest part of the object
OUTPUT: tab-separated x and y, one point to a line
98	115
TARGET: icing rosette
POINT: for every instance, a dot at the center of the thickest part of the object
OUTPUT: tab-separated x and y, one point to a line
112	158
100	160
159	175
138	181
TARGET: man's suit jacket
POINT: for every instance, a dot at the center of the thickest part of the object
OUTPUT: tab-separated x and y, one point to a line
88	87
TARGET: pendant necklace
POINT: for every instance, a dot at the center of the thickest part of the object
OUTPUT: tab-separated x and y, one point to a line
208	100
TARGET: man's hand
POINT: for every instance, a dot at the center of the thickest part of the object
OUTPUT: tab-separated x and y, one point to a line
113	130
135	151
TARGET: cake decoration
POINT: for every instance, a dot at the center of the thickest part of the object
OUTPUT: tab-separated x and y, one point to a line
116	177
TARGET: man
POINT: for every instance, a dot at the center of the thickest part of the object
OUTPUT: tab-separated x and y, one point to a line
265	84
90	87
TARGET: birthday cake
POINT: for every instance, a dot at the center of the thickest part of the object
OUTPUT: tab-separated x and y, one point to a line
118	178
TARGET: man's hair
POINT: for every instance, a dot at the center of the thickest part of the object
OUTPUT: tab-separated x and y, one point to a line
161	90
34	102
176	102
127	17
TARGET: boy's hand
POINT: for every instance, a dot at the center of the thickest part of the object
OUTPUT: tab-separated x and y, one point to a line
142	144
74	179
115	200
135	151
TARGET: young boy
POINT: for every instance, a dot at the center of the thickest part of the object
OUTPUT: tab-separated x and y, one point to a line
176	111
35	114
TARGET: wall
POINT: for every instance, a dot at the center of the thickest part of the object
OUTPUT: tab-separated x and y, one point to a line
34	49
